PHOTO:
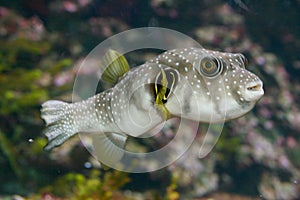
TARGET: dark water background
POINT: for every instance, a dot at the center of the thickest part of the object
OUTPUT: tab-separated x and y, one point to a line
42	42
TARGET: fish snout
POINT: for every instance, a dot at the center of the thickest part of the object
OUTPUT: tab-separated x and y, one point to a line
254	91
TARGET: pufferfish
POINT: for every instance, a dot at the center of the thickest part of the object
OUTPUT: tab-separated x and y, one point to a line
191	83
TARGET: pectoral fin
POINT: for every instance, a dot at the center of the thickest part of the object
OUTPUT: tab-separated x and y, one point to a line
109	147
165	83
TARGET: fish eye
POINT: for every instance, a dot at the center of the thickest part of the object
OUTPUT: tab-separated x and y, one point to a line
243	59
210	66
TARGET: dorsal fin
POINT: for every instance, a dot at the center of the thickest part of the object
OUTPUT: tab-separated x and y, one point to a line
116	66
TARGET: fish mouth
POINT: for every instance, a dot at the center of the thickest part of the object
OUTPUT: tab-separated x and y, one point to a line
254	87
254	91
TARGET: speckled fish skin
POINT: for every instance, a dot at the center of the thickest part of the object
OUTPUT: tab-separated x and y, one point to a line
129	107
233	92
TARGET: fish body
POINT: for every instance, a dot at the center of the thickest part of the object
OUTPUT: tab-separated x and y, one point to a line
191	83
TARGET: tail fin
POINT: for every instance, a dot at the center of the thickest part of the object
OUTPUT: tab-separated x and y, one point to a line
59	122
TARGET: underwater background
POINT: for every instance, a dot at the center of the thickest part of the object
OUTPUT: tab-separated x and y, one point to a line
42	44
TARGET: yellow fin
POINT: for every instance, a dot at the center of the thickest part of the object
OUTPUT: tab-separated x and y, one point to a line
164	111
161	95
116	66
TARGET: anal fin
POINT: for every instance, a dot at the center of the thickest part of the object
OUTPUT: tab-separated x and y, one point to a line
109	147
